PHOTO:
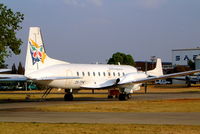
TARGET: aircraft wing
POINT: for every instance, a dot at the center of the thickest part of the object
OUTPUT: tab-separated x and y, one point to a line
193	80
143	80
12	77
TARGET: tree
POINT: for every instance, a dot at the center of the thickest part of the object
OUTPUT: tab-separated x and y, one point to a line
191	64
20	68
122	58
9	24
14	70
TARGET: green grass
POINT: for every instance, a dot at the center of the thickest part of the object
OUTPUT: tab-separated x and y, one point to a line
44	128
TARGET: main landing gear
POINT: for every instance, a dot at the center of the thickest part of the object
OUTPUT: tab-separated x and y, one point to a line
120	94
123	96
68	95
46	93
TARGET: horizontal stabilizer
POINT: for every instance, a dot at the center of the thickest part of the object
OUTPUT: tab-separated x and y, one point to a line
12	77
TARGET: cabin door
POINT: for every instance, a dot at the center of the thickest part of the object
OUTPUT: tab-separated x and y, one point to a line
68	82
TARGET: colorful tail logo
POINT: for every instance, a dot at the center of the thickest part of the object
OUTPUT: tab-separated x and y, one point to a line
37	52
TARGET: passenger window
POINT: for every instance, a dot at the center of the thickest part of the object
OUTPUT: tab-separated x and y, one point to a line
108	73
83	73
93	73
118	73
99	74
104	73
123	73
88	73
77	73
113	73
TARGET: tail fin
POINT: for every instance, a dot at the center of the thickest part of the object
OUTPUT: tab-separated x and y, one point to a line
36	57
158	71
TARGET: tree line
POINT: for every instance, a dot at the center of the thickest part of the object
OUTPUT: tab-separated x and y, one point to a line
19	70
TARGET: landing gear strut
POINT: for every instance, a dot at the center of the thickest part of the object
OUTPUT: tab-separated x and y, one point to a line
68	95
46	93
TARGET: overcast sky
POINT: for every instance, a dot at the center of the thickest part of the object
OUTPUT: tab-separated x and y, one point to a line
89	31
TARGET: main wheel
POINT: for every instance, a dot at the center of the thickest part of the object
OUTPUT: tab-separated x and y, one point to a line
123	97
68	97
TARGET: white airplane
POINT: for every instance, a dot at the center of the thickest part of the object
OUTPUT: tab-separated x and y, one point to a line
59	74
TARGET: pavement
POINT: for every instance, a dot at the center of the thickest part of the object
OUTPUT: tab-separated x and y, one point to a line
17	112
102	117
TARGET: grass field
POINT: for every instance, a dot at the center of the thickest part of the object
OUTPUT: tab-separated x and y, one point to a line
44	128
181	105
175	105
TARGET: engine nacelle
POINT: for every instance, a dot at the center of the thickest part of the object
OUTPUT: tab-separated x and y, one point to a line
130	89
131	77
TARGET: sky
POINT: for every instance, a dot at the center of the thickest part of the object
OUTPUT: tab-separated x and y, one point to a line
90	31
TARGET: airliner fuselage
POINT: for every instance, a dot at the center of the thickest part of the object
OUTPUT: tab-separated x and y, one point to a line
83	75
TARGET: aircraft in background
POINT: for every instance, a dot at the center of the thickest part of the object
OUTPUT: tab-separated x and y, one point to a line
5	70
72	77
189	79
